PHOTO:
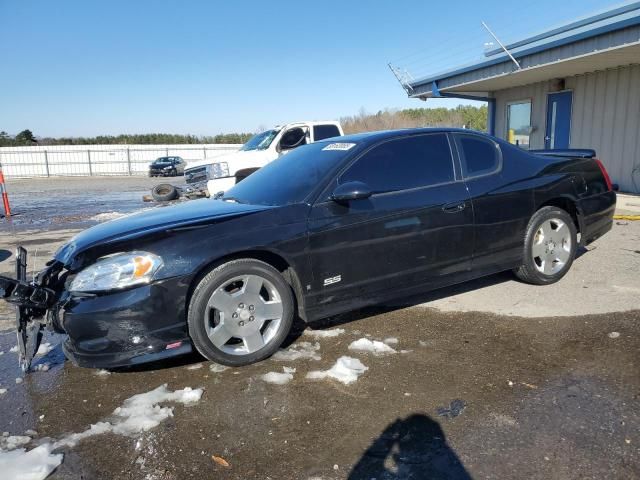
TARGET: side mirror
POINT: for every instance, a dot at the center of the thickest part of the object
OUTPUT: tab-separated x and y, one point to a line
351	191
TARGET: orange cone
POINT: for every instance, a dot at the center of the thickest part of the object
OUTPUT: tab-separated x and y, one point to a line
5	196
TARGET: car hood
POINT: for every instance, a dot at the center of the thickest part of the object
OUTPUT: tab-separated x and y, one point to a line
157	219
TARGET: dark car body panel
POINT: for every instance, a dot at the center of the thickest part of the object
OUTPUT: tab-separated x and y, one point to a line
336	256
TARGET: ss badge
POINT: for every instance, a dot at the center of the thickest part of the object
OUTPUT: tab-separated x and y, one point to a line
332	280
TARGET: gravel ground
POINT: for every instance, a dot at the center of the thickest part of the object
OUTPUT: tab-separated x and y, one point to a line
491	379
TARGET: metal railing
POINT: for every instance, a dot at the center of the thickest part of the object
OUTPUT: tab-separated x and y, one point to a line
96	160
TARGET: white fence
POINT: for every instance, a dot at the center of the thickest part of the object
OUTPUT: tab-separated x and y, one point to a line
86	160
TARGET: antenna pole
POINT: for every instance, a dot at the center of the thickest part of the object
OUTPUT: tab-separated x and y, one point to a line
402	77
503	47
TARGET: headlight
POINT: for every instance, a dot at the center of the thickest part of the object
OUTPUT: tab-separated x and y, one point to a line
219	170
117	271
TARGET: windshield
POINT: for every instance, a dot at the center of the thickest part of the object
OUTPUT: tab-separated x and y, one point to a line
260	141
161	160
291	178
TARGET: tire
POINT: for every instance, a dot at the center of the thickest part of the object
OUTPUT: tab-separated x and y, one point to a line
227	331
164	192
549	249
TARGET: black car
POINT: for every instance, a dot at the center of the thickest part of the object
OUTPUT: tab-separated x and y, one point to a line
167	167
330	227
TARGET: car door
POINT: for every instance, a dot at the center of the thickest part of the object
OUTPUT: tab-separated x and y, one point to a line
416	227
502	205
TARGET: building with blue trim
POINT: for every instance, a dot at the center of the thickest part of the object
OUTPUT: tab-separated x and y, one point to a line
575	86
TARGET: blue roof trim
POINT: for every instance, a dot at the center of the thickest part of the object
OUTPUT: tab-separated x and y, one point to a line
565	38
434	89
569	26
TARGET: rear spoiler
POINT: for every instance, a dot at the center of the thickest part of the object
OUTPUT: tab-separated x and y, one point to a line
567	152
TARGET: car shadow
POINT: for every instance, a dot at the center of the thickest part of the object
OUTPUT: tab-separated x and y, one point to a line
413	447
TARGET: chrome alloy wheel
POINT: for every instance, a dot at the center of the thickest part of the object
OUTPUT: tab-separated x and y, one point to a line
551	246
243	315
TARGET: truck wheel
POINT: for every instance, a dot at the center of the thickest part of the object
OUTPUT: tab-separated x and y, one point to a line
240	312
164	192
549	247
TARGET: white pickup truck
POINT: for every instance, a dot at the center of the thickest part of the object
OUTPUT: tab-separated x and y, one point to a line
213	175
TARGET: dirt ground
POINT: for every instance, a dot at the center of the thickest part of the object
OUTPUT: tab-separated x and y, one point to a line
491	379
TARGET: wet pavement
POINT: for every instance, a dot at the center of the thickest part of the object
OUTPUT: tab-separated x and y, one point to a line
542	398
466	394
77	202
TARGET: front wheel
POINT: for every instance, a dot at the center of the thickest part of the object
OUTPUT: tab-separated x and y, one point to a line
240	312
549	247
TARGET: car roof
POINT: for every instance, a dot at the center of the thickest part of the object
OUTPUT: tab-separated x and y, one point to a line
372	137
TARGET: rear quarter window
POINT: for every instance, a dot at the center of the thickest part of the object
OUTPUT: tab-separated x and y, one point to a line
320	132
478	155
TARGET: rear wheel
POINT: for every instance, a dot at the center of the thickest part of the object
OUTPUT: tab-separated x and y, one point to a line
240	312
549	247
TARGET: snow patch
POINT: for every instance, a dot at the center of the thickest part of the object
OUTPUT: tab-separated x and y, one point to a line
14	349
102	372
44	348
3	391
11	442
42	367
346	370
613	334
105	217
36	464
324	333
217	368
298	351
195	366
277	378
391	341
289	369
139	413
373	346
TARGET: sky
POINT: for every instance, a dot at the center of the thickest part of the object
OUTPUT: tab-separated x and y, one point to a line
81	68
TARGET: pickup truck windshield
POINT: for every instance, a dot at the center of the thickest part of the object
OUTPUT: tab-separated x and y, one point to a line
260	141
291	178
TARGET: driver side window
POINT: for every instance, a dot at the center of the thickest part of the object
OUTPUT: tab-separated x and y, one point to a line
293	138
404	163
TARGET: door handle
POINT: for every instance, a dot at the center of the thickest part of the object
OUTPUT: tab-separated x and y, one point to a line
454	207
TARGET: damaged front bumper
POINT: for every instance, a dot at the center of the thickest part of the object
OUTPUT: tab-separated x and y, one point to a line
113	329
34	301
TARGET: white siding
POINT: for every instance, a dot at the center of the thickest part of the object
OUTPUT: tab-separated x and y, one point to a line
605	117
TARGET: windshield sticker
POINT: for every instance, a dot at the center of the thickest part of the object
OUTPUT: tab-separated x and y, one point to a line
340	146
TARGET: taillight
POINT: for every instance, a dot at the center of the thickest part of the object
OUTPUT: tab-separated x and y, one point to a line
605	174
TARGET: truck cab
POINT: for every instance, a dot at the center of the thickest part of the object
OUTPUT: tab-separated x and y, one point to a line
213	175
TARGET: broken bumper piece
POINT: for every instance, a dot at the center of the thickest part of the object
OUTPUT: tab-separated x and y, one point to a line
32	300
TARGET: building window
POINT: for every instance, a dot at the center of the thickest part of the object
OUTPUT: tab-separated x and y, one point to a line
519	123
